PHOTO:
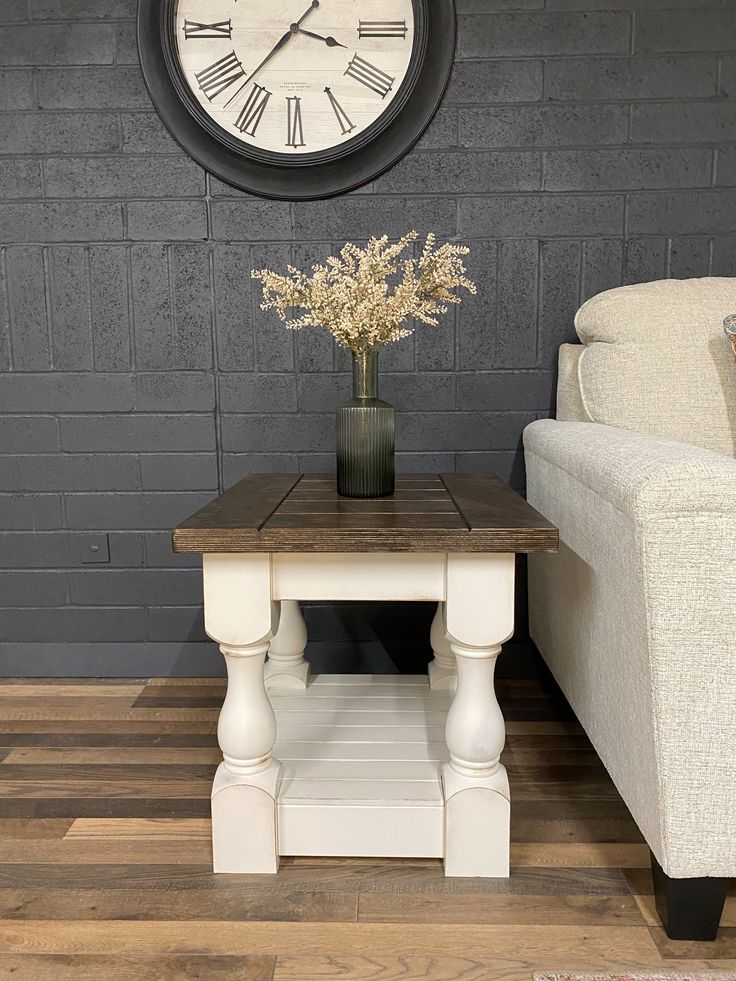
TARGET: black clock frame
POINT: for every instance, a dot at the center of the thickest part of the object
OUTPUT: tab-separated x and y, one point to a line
308	176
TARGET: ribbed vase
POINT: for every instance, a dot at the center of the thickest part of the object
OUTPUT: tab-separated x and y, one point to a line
365	435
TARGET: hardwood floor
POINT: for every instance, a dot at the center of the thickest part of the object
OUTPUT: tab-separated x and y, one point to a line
105	860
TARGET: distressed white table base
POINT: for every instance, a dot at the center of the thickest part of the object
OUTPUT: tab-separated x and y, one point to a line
442	669
286	667
360	765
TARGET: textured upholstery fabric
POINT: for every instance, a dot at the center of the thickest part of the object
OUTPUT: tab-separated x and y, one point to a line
634	616
656	360
570	406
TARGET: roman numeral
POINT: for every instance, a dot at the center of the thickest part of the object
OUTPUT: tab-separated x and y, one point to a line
342	117
294	131
220	75
366	73
221	28
382	28
251	113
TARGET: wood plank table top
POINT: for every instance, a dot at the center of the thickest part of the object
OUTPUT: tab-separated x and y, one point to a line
426	513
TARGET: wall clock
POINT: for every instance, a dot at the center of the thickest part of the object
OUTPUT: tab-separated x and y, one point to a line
296	99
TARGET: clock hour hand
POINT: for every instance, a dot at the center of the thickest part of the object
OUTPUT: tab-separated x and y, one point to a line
293	29
329	41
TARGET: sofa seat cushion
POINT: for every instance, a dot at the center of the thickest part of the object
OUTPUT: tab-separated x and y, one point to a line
657	360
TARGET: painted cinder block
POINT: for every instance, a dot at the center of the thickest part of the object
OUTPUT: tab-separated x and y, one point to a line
23	588
641	77
69	471
134	510
82	9
139	433
122	177
91	87
65	392
710	29
523	33
60	221
20	178
473	172
488	82
166	221
543	125
45	44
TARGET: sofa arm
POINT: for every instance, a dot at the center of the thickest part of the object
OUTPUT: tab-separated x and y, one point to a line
638	474
635	617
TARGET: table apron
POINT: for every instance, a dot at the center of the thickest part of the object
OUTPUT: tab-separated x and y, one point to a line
359	576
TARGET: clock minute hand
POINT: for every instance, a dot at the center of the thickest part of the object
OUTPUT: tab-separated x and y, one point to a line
329	41
277	47
293	29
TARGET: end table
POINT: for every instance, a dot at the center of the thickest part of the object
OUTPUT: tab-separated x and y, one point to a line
361	765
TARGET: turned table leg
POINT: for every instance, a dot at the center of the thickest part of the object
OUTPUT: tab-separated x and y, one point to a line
286	667
478	618
443	669
241	617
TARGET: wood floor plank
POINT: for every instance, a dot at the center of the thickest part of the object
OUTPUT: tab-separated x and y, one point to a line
194	700
109	727
544	728
67	740
230	901
91	709
105	788
542	791
604	830
104	851
70	967
178	682
579	855
569	807
340	966
122	773
56	691
11	828
99	755
388	907
104	807
155	937
218	687
331	875
723	946
29	681
137	828
557	758
552	742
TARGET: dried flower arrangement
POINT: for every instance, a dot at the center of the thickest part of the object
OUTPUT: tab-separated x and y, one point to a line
365	297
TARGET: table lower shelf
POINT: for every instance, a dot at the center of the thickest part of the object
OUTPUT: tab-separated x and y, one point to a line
362	756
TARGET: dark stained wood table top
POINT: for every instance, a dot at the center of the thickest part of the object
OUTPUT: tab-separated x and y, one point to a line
426	513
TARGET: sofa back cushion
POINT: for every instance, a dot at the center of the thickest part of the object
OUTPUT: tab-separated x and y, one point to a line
657	361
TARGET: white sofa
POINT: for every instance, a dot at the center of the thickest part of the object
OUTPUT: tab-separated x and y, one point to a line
636	614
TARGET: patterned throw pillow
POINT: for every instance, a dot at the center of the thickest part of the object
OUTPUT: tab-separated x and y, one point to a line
729	325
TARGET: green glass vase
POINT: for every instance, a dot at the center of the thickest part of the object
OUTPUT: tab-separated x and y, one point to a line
365	434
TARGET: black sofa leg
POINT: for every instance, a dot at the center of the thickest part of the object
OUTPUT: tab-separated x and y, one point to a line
690	909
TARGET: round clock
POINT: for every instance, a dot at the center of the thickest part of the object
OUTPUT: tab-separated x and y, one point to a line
296	99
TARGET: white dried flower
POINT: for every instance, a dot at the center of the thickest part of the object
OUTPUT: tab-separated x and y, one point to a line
365	297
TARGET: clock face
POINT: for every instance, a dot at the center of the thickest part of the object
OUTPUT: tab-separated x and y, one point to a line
294	77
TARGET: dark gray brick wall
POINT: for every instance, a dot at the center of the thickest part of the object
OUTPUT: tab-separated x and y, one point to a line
581	144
